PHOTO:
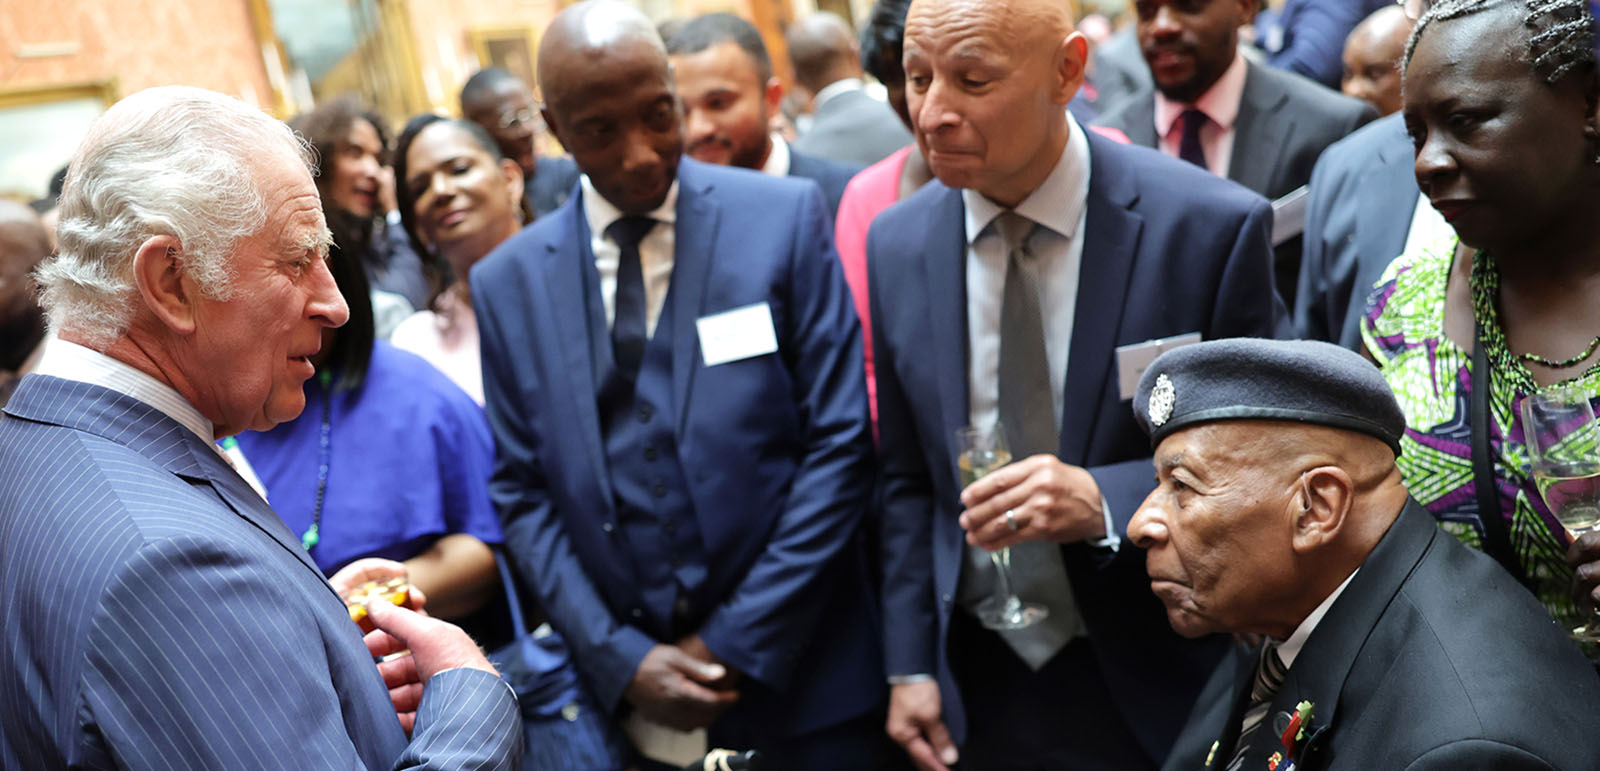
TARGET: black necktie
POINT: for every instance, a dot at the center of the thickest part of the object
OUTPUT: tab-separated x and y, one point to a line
1189	148
628	331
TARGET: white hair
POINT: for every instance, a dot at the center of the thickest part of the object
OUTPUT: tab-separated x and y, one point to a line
173	161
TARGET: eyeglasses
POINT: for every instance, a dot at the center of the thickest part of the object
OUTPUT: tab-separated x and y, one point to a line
523	117
1414	8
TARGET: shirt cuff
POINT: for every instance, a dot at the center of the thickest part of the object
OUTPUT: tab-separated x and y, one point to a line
909	679
1112	541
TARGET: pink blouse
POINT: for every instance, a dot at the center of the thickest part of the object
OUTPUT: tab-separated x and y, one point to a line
874	189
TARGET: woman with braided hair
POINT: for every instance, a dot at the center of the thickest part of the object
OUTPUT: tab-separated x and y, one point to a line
1502	101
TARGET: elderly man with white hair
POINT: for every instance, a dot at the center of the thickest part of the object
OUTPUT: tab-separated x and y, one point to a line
156	613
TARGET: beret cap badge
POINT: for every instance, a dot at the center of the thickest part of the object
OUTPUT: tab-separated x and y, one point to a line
1162	399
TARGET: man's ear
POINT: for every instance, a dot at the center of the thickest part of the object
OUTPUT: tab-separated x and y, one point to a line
772	95
158	274
1249	9
1321	507
1072	58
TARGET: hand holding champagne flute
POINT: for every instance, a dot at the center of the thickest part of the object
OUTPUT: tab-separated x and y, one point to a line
1564	449
981	452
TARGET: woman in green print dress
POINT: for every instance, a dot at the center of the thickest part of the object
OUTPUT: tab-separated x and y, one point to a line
1508	150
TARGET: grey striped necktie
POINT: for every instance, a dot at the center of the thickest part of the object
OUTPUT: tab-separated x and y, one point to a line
1270	672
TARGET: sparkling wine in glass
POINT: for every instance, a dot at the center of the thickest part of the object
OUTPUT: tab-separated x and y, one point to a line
1564	446
981	452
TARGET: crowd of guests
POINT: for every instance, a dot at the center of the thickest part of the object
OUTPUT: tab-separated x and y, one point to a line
663	436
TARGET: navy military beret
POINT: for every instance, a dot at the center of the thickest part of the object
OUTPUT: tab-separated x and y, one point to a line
1303	381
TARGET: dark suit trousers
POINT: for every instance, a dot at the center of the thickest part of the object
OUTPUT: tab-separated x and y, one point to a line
1061	718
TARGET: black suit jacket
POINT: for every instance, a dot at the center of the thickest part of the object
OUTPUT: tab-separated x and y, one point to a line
1284	123
1432	658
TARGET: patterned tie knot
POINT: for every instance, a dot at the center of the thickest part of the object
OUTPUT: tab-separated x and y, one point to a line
1269	674
627	232
1014	230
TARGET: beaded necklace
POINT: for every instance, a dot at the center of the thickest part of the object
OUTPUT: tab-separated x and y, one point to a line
313	534
1485	285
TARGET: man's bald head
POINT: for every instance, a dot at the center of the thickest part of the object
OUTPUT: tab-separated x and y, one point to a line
823	49
1027	21
23	244
609	99
987	86
588	31
1372	56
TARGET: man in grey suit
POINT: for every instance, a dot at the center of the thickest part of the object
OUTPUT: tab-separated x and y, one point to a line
1209	105
156	612
849	125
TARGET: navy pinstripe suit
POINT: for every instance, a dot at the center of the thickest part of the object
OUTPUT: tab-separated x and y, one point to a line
157	614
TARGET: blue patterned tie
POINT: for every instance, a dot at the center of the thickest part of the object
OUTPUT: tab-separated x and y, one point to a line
628	330
1189	148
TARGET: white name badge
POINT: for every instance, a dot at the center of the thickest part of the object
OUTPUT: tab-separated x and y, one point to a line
737	334
1135	358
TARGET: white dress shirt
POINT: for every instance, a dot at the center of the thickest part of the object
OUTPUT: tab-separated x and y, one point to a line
1291	647
1220	103
655	251
777	164
834	89
1428	228
1054	256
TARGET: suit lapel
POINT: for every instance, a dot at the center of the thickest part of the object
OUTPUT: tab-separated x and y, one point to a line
1261	131
1110	246
1319	672
945	267
1387	189
692	253
119	418
566	290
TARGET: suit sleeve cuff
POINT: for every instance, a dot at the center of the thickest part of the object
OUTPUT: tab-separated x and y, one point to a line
628	648
1112	541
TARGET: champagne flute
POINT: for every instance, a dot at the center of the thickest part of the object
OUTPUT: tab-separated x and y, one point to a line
1564	446
982	451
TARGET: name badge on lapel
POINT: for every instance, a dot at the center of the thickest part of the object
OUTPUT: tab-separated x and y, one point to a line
1133	359
741	333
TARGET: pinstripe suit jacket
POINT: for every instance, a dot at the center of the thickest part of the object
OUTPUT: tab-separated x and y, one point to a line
155	613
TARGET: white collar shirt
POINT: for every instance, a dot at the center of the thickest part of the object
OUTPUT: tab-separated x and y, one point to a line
655	250
1290	649
777	164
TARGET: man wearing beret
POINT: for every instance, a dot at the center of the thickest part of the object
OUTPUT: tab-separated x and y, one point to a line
1279	513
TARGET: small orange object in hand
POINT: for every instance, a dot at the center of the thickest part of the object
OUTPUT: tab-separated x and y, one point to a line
396	590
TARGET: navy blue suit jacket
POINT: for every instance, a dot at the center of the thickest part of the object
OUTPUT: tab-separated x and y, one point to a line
776	449
1314	32
1363	196
1168	249
831	176
157	614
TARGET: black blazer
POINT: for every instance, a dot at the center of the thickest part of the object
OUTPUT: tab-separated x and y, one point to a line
1432	658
